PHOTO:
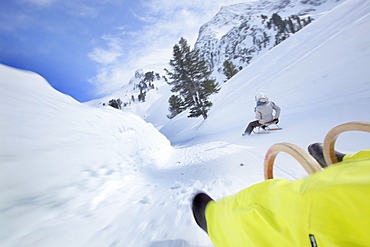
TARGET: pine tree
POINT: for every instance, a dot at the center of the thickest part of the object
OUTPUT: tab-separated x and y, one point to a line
176	106
229	69
116	103
142	86
278	22
191	80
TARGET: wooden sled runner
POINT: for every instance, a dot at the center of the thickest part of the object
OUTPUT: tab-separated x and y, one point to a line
265	128
331	138
304	158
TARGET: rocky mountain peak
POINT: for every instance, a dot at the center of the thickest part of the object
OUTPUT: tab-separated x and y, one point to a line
241	32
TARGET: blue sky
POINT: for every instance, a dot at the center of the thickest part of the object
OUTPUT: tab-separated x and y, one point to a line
88	49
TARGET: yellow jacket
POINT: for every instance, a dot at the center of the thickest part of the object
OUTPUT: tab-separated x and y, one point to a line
330	208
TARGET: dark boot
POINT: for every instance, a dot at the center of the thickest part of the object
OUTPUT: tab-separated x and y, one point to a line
315	150
200	202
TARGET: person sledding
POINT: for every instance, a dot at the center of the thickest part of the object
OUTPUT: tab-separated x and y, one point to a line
328	208
264	113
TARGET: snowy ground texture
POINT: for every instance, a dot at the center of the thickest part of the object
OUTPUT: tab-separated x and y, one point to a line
74	175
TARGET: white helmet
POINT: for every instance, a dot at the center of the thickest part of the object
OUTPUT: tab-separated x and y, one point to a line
261	97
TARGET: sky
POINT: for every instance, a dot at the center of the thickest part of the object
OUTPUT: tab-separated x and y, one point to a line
88	49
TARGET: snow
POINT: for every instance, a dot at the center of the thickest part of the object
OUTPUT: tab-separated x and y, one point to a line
156	100
75	175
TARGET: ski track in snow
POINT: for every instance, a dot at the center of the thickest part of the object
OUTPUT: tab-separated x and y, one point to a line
171	189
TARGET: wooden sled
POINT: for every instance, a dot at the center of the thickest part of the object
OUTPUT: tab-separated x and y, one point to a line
265	128
303	157
332	135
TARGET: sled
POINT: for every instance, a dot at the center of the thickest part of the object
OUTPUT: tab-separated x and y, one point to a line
265	128
303	157
332	135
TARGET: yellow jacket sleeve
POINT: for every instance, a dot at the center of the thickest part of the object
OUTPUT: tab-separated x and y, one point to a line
364	154
330	208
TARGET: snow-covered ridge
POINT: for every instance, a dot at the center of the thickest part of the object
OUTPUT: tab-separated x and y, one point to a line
154	109
241	33
58	155
39	111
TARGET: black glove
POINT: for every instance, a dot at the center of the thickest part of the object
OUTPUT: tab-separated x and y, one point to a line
277	120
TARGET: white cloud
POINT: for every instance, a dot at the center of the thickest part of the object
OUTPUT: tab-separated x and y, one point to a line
109	55
108	79
103	56
86	11
41	2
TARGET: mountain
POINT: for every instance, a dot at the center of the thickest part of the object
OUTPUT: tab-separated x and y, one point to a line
76	175
153	108
239	33
242	32
318	73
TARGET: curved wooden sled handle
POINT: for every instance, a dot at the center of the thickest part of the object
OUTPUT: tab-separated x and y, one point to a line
306	160
332	135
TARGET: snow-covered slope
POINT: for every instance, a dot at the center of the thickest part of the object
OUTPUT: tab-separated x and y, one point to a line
73	175
319	77
61	159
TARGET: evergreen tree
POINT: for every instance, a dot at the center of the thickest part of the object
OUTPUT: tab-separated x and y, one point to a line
149	76
116	103
229	69
142	86
191	79
176	106
279	23
291	25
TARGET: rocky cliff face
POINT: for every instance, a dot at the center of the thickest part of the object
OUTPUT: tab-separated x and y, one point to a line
242	32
